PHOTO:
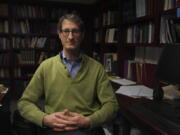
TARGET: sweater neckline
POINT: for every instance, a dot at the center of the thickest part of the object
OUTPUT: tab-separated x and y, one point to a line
82	67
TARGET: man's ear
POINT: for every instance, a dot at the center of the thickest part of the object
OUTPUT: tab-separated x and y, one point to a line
59	35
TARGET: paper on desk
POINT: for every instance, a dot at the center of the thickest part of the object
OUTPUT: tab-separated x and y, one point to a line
171	92
136	91
123	81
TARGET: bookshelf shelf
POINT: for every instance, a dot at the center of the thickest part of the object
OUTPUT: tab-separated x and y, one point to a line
142	44
110	26
4	50
32	35
5	78
138	20
169	12
4	18
2	34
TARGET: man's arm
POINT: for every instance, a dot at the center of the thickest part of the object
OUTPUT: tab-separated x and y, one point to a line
107	99
27	104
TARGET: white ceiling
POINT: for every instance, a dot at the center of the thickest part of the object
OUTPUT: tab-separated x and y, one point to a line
76	1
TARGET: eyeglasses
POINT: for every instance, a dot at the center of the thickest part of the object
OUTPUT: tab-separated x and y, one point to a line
75	32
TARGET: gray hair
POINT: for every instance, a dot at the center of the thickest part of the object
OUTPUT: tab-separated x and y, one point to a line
72	17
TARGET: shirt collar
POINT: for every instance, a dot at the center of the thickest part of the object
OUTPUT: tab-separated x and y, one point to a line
63	57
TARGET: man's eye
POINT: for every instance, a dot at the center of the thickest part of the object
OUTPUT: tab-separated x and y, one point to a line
66	31
75	31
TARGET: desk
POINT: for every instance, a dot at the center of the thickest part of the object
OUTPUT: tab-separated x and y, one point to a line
134	118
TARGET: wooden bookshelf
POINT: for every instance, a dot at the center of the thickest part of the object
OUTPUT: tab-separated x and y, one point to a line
106	35
139	34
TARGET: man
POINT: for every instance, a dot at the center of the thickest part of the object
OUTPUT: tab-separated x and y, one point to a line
78	94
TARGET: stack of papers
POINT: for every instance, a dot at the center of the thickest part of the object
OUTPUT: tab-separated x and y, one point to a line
136	91
123	81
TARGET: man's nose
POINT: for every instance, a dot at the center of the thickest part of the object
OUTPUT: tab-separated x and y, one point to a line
70	35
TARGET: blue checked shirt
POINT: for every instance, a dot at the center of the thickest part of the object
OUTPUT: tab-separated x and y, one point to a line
72	66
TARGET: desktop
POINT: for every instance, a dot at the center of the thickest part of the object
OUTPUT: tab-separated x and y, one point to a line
165	113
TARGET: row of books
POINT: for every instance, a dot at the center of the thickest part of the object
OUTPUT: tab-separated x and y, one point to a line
5	59
137	8
17	72
39	12
20	73
169	4
26	57
25	26
32	11
142	73
42	56
4	26
169	30
142	68
4	43
30	57
23	73
140	33
30	42
109	18
28	11
149	54
4	73
98	36
143	7
21	27
111	35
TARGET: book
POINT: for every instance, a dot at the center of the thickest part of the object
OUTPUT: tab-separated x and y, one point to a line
110	62
178	12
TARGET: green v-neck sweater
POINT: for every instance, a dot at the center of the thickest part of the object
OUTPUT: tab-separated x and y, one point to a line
88	93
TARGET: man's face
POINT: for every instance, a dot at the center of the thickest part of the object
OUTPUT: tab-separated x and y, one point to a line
70	35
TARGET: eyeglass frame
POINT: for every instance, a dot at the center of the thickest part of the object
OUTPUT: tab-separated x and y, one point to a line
75	32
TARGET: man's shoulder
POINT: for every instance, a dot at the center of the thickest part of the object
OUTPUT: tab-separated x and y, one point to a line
91	62
50	60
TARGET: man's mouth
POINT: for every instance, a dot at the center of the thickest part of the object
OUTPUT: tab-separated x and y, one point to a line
72	43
